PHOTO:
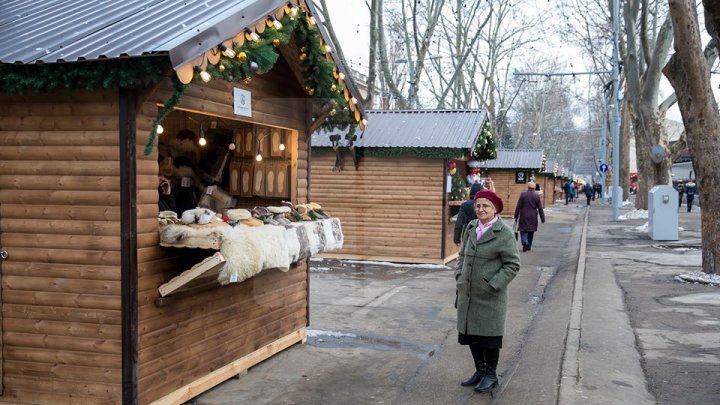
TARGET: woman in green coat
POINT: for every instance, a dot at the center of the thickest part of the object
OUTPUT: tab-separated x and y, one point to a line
487	262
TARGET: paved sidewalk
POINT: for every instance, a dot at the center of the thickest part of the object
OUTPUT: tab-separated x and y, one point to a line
593	320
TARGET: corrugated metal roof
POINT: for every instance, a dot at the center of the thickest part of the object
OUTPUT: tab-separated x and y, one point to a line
415	128
515	159
71	30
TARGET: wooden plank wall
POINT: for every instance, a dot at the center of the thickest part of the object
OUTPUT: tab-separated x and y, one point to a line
60	223
196	334
506	188
390	208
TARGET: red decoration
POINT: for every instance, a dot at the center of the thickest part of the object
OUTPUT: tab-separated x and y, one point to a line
452	165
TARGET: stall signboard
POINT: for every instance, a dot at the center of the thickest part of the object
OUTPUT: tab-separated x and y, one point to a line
242	102
520	177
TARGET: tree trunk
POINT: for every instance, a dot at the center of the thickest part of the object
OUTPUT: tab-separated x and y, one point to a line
649	131
690	77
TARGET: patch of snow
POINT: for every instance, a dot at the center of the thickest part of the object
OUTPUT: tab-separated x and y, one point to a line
634	214
316	259
681	229
699	277
390	264
316	333
320	269
641	228
626	203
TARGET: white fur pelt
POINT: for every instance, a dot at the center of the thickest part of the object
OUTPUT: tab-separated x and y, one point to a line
249	250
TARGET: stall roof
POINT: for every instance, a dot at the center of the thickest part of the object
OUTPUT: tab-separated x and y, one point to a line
515	159
51	31
415	129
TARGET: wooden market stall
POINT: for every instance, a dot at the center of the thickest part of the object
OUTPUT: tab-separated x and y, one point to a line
511	171
94	309
391	189
550	183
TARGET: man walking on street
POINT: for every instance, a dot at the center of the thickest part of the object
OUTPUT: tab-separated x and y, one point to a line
690	191
588	193
681	190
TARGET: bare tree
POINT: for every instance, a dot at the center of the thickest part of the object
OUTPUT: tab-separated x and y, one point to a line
689	74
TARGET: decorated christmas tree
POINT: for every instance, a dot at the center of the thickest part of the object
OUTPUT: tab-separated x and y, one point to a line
457	191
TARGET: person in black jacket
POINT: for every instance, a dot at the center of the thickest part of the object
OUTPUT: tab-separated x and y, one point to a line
690	191
466	214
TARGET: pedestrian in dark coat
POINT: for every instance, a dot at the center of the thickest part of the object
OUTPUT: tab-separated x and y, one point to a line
526	212
466	214
588	193
690	191
681	191
487	262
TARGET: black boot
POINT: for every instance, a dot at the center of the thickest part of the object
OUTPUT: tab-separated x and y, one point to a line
475	378
488	382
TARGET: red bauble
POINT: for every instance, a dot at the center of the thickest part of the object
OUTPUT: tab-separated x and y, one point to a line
452	165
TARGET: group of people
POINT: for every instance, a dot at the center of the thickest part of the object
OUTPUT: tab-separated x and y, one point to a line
690	190
488	261
572	188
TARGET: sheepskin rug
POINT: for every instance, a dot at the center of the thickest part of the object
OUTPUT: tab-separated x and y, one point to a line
249	250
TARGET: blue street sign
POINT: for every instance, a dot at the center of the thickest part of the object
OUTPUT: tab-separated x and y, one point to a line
604	167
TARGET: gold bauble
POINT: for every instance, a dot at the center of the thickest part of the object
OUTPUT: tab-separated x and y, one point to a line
242	57
333	87
311	92
302	57
276	42
221	68
303	49
247	80
333	111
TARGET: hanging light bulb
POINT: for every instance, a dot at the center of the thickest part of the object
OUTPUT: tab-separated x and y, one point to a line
159	129
311	20
251	35
204	75
341	76
354	100
228	52
282	146
364	122
328	49
258	157
232	146
275	23
293	11
202	141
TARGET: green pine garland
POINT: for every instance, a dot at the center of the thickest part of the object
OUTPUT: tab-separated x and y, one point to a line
91	75
179	90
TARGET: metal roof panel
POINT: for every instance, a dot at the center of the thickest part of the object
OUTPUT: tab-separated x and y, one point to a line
416	129
515	159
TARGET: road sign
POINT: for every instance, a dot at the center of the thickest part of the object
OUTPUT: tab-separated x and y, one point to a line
604	168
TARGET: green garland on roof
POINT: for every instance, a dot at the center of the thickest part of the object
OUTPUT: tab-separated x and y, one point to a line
91	75
428	153
486	144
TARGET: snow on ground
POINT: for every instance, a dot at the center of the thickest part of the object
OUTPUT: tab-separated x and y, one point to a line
313	333
627	202
699	277
320	269
390	264
641	228
634	214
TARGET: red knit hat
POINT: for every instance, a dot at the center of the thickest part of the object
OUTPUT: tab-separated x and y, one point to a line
490	195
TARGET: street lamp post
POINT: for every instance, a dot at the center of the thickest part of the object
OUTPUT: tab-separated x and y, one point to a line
616	111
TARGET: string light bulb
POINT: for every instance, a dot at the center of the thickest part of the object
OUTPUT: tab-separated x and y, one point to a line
275	23
204	75
354	100
282	146
251	35
364	122
258	157
341	76
228	52
311	20
232	146
159	129
328	49
202	141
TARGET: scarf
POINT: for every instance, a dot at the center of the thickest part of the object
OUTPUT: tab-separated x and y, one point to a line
482	228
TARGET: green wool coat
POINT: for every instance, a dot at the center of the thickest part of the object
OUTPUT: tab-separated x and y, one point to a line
485	268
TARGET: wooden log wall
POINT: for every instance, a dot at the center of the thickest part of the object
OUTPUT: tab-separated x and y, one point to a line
60	223
195	334
506	188
390	208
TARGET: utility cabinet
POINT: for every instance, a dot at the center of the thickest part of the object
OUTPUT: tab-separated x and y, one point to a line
663	213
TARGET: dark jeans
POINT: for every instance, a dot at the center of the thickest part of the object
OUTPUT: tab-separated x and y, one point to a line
690	199
526	238
567	198
589	197
680	200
